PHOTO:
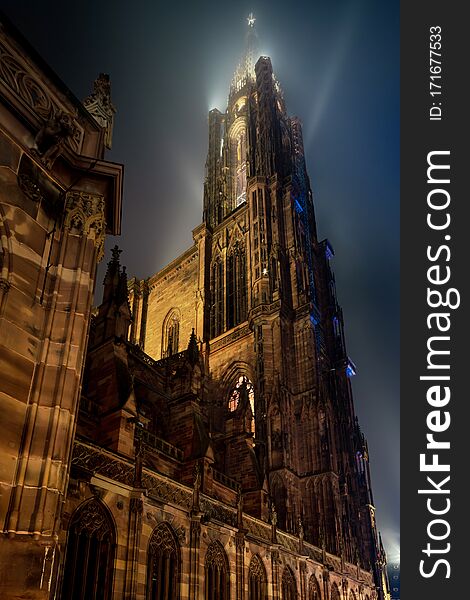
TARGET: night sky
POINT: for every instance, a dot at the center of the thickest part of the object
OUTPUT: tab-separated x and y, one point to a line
338	64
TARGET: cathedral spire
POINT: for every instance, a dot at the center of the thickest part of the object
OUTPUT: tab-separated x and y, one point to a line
246	67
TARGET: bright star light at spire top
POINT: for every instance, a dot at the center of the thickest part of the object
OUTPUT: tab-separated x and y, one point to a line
251	20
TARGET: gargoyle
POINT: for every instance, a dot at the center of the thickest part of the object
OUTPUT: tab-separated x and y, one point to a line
51	137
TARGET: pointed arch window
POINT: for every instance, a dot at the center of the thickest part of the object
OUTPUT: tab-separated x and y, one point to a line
288	586
217	577
217	298
236	286
313	589
89	560
163	564
244	388
335	595
171	334
239	162
257	580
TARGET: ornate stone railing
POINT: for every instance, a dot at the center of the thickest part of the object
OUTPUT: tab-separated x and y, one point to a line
218	511
150	439
139	353
225	480
257	528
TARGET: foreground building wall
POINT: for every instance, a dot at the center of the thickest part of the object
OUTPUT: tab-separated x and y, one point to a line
58	198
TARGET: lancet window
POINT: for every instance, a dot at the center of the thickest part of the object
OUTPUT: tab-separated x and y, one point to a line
236	286
257	580
288	588
171	334
335	595
244	388
313	589
89	560
217	298
217	578
163	565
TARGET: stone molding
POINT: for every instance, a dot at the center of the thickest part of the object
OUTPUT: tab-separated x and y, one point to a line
85	214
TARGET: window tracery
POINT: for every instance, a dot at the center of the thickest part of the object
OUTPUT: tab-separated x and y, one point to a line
236	286
335	595
288	588
217	577
171	334
257	580
88	570
244	387
163	564
313	589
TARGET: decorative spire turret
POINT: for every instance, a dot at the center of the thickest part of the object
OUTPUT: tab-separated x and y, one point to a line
114	313
99	105
193	350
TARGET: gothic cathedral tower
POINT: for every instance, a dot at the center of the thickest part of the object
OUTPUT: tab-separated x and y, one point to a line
259	292
270	281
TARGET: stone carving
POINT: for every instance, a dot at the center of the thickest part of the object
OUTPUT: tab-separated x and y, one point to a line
196	485
52	136
99	105
30	188
166	491
163	540
216	557
257	570
218	512
240	540
93	520
33	95
95	461
85	214
4	285
235	335
136	506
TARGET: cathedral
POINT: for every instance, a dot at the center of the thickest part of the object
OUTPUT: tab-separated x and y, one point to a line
194	436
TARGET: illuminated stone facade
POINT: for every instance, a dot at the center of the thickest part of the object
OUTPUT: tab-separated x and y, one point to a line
216	454
58	198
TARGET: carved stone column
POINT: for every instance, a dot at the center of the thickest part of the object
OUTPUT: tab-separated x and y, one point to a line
303	580
240	567
136	506
195	540
326	586
276	591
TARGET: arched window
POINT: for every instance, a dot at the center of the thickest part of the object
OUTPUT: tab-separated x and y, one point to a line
163	564
217	298
171	334
335	595
352	595
217	576
89	560
238	160
288	587
236	286
257	580
313	589
244	389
